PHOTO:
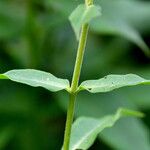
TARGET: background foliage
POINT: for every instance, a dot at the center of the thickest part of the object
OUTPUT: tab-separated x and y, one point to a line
37	34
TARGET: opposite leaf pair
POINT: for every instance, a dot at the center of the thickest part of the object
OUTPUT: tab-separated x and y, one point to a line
48	81
85	130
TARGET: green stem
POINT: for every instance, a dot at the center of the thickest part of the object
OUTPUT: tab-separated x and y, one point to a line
70	114
79	58
75	81
74	85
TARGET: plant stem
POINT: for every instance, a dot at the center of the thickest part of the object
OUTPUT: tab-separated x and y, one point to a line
79	58
74	85
70	114
75	81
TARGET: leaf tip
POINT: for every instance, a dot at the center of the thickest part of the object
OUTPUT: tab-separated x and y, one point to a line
128	112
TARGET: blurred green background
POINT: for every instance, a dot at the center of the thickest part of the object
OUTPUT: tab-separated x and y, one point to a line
37	34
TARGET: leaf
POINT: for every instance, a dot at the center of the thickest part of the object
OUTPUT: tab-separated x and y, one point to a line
122	18
123	29
83	14
126	131
37	78
133	35
111	82
85	130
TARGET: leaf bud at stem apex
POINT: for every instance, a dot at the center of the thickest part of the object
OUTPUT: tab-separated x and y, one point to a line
89	2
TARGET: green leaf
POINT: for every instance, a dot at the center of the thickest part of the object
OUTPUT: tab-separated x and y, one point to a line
111	82
37	78
123	29
133	35
83	14
123	18
126	131
85	130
